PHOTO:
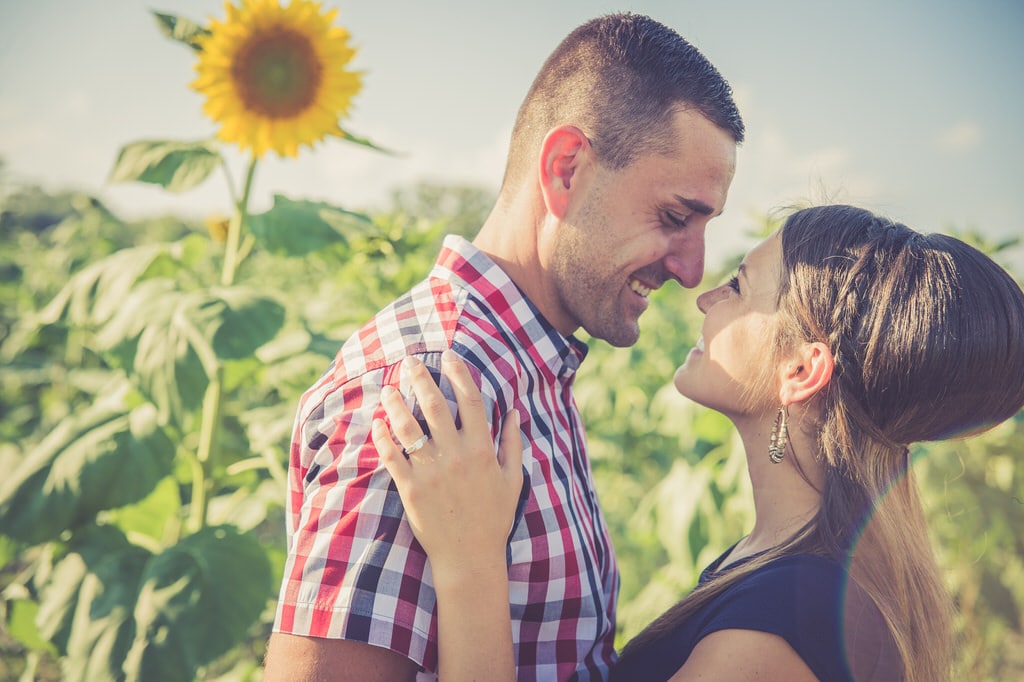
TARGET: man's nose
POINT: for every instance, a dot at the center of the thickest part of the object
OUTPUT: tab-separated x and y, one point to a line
686	261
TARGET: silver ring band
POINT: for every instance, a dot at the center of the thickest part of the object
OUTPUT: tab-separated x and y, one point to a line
417	444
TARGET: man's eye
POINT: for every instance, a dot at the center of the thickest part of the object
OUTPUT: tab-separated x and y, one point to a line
676	221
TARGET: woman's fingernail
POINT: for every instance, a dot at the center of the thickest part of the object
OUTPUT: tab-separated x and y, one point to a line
449	355
412	361
386	391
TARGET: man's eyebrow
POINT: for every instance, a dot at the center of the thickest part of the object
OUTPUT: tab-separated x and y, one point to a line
695	205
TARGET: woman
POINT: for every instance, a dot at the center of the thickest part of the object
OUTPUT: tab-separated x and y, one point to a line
877	337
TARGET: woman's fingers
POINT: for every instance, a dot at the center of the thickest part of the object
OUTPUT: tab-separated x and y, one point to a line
510	451
471	403
390	454
474	437
432	402
403	424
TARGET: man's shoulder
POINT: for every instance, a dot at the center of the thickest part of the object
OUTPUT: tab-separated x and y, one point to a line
433	316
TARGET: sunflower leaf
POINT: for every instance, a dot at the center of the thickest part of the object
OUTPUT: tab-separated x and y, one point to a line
183	30
87	596
363	142
175	166
196	600
108	456
299	227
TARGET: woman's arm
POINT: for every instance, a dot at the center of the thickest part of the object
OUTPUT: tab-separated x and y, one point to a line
460	501
743	655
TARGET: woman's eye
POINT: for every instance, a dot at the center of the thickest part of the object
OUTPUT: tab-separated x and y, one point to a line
734	284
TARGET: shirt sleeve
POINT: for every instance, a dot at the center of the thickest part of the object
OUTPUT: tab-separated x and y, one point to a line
354	568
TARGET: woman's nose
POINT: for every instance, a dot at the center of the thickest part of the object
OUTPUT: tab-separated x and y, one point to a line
710	298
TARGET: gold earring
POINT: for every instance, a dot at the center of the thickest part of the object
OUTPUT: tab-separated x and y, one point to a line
780	437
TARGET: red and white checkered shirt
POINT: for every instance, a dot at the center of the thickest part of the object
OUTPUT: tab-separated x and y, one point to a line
354	569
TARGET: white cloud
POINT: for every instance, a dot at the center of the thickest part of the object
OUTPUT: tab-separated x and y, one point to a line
77	103
962	137
773	172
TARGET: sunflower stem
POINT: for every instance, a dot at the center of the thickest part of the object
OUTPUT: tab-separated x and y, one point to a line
238	221
229	181
206	455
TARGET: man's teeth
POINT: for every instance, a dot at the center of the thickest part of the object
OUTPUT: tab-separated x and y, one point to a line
639	288
700	344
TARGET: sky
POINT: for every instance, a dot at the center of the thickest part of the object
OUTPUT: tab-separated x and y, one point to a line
912	108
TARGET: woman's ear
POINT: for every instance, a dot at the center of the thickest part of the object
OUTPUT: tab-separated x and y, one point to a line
808	371
562	153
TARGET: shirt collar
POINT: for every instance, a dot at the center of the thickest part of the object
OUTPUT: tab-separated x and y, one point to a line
462	262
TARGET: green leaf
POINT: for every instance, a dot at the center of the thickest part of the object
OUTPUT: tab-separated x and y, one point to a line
363	142
96	293
247	320
152	516
197	600
103	458
182	30
173	342
155	337
9	548
297	228
86	603
21	625
175	166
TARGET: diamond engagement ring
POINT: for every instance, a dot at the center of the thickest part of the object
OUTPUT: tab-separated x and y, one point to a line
416	445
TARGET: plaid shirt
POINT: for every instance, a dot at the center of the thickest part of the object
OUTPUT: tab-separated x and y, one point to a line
354	569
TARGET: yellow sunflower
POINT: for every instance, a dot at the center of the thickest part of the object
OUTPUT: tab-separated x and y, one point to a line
274	76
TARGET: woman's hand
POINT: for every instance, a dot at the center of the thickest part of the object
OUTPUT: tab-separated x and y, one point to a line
459	498
460	501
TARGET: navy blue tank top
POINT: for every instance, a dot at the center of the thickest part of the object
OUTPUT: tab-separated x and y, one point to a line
807	600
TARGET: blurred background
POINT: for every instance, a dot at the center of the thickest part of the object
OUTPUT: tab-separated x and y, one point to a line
147	398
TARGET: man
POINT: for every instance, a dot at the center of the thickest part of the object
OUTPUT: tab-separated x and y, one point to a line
622	151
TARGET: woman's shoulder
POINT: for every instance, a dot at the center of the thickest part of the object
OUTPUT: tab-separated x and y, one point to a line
812	571
789	593
812	603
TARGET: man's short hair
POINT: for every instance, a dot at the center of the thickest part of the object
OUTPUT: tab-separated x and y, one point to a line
620	78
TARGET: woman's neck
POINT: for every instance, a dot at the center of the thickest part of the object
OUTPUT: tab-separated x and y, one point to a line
786	495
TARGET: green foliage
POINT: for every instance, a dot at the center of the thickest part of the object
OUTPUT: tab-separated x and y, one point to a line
185	615
147	420
975	502
137	544
323	225
107	457
175	166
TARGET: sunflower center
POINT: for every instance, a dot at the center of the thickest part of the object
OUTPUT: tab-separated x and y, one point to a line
277	72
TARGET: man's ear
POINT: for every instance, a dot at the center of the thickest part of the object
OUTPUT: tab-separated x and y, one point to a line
808	371
562	153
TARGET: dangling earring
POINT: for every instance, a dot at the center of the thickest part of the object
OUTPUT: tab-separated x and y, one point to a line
780	437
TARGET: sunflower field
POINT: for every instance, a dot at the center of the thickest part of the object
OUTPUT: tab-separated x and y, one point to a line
151	372
110	571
